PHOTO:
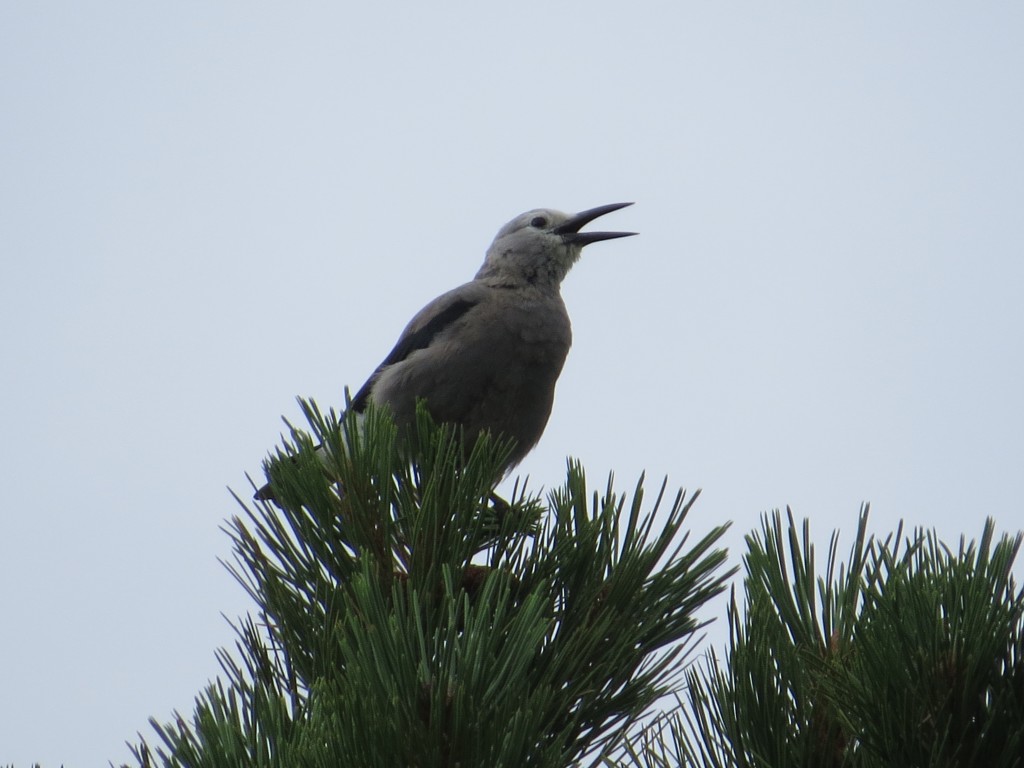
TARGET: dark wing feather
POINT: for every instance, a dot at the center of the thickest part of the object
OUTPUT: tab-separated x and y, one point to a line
417	335
411	340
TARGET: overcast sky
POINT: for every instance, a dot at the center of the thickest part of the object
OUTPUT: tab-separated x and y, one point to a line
209	208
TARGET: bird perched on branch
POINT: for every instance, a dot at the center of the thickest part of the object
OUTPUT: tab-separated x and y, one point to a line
486	355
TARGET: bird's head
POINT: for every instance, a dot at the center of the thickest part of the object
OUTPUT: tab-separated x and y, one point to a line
539	247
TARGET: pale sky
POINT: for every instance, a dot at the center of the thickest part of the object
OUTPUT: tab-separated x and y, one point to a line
208	208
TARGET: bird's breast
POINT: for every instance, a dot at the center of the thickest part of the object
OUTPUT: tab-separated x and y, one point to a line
494	369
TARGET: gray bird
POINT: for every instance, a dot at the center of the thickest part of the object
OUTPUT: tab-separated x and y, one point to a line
486	355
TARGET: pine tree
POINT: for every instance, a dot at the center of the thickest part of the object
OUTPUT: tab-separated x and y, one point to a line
408	617
405	616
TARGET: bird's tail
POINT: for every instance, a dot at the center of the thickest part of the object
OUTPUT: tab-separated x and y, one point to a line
321	451
266	493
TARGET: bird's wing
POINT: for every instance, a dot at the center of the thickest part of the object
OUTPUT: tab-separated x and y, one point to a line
418	334
422	329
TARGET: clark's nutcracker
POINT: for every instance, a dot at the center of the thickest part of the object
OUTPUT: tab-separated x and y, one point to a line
486	355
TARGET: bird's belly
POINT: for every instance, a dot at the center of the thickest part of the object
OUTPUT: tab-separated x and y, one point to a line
505	386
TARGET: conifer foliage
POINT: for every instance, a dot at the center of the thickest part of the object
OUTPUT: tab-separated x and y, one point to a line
910	653
408	617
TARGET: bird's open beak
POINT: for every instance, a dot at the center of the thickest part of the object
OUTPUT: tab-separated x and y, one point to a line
570	230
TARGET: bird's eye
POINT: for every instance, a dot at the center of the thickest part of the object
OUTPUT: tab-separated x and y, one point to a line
538	222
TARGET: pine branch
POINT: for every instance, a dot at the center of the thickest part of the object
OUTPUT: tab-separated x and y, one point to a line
908	654
405	618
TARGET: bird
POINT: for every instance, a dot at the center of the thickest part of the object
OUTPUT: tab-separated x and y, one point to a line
486	356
